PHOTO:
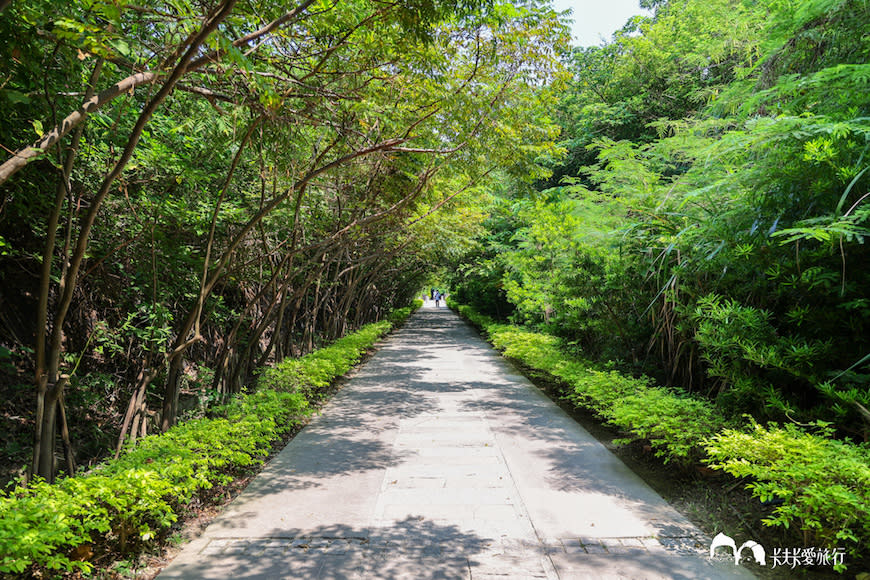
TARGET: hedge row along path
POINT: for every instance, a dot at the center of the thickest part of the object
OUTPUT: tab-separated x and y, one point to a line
439	460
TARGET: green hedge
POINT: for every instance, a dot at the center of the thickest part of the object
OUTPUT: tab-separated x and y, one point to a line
313	372
823	483
675	425
400	315
135	498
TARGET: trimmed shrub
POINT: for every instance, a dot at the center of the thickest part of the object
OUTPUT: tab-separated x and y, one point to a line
39	524
315	371
823	483
137	497
675	424
481	321
398	316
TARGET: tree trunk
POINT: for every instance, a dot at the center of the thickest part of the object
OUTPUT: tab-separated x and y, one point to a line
48	393
171	392
68	452
44	454
136	408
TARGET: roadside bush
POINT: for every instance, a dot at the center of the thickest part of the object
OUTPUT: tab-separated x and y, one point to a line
539	351
40	523
823	483
675	424
138	496
480	321
597	390
398	316
315	371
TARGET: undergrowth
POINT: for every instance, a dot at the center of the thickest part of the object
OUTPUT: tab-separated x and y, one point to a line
122	505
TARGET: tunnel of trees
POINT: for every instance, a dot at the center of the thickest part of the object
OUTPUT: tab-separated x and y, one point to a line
193	190
706	221
694	269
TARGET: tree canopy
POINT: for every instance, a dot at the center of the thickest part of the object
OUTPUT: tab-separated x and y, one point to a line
707	222
192	189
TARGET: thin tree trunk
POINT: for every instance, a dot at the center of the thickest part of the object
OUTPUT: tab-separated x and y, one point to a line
48	363
68	452
47	429
136	408
185	339
21	158
48	392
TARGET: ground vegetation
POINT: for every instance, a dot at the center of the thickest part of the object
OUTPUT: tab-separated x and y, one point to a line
192	190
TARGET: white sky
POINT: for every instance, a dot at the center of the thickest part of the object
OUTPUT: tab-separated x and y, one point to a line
597	19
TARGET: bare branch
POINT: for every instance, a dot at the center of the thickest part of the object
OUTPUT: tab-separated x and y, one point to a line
24	156
21	158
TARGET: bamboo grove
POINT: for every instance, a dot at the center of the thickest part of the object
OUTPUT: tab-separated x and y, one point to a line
192	189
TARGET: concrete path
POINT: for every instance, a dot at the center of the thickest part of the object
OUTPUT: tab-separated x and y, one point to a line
439	460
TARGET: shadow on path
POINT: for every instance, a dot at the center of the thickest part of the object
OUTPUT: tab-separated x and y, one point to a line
438	460
409	549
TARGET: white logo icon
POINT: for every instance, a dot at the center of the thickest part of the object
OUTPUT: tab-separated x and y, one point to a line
721	540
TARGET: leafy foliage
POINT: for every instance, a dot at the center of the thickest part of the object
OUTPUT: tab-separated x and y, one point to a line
823	483
220	185
675	424
742	347
314	371
133	500
137	497
707	223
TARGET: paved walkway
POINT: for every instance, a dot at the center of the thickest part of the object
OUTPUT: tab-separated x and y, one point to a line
439	460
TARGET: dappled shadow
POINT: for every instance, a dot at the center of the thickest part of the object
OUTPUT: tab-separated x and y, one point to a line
427	410
426	550
639	564
374	409
573	461
549	451
408	549
322	459
437	325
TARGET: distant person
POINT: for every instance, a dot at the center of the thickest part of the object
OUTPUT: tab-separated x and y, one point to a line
437	299
432	293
